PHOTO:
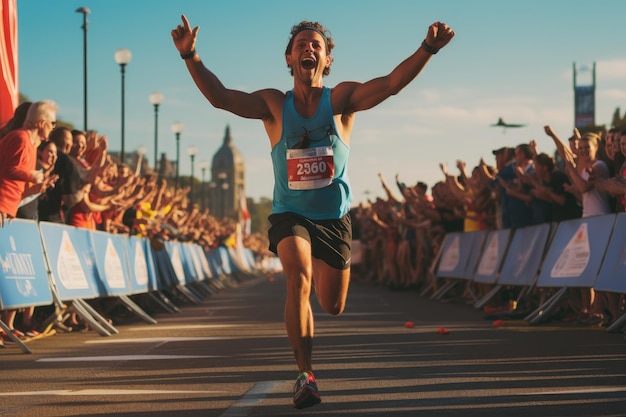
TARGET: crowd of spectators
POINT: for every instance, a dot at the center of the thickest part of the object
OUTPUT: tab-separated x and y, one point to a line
400	234
55	174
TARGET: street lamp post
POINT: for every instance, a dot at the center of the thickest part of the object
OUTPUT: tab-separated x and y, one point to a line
204	165
223	177
225	188
192	151
156	99
85	11
177	129
123	57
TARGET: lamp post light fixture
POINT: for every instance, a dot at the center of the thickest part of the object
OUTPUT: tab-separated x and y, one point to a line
192	151
85	11
123	57
156	99
177	129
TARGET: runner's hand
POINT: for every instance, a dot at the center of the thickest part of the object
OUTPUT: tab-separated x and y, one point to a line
439	35
184	37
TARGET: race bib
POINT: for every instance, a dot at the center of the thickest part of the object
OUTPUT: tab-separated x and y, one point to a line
311	168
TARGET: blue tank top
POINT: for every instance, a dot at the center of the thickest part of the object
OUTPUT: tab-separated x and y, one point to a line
311	164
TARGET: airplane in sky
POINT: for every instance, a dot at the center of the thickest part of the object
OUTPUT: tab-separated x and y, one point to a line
502	123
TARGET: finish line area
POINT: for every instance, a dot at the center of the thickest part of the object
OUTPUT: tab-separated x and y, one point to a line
228	356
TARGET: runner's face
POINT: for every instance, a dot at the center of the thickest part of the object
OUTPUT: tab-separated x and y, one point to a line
308	54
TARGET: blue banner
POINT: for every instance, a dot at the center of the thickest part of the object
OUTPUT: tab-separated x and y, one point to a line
576	252
204	261
174	251
24	275
164	271
138	269
215	263
70	257
192	261
225	262
460	254
526	251
492	256
111	263
612	277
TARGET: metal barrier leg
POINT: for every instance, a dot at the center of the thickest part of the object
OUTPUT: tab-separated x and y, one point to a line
184	291
15	339
79	308
164	302
546	308
480	303
98	317
426	290
443	290
617	324
136	309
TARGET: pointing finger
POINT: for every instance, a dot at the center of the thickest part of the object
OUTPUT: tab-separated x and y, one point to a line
185	22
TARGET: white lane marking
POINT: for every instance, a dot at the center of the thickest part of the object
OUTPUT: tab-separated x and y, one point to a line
365	314
121	358
254	396
66	392
154	340
187	327
577	391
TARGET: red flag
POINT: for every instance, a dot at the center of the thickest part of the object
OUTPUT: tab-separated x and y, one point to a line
9	91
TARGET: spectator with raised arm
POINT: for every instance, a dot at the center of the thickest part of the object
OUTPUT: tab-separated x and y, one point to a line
518	212
594	203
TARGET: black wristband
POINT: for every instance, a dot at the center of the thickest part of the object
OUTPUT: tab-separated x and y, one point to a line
189	54
429	48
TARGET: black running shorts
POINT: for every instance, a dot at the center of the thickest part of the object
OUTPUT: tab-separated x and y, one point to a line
330	239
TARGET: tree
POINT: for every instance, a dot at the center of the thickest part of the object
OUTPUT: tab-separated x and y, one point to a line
617	120
259	212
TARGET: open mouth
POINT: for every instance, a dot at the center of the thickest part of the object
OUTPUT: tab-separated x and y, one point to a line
308	63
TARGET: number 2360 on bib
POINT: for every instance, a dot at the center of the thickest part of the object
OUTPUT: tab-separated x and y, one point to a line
311	168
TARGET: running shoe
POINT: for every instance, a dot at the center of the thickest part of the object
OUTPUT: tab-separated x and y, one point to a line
305	392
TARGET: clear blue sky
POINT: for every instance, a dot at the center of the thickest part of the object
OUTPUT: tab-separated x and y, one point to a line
509	59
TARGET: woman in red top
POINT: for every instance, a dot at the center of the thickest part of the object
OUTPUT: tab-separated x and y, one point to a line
18	156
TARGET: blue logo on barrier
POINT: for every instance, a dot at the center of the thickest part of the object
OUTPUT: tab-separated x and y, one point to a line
23	273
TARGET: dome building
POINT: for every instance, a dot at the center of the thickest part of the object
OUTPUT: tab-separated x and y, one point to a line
228	183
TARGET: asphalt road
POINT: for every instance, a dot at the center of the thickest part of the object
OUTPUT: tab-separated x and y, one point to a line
229	356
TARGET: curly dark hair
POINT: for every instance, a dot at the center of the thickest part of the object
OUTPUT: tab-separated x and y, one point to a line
319	28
